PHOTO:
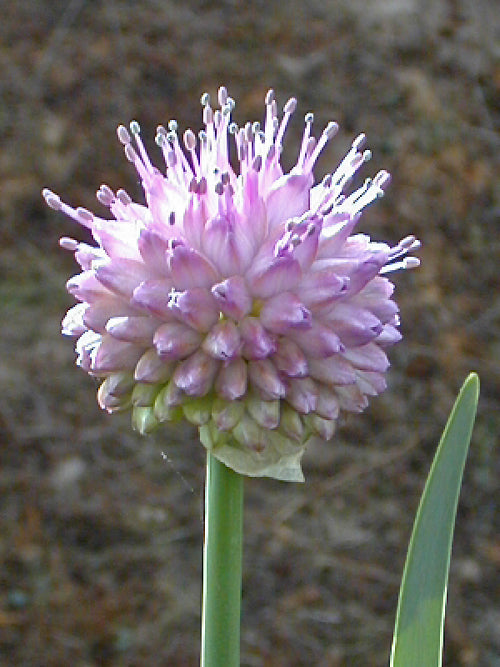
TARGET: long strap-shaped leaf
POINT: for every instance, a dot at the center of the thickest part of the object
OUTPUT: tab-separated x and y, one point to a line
418	634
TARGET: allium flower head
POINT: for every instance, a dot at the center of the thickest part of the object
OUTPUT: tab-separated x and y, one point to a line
241	300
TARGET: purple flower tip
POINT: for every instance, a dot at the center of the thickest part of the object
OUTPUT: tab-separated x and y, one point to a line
238	298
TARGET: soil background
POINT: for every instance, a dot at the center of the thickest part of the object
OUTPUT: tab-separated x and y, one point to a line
101	529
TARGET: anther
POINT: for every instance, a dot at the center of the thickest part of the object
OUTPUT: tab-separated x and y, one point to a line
309	118
124	197
290	106
269	97
190	140
173	125
84	215
359	142
208	115
202	186
205	100
382	179
219	188
224	178
331	129
407	242
52	199
171	218
222	96
105	195
68	244
123	135
135	128
248	131
193	185
411	262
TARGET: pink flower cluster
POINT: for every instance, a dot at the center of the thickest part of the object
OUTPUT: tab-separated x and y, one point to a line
240	300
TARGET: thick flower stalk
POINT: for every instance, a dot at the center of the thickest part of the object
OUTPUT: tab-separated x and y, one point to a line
241	300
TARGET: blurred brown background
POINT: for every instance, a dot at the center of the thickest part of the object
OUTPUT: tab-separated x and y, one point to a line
100	543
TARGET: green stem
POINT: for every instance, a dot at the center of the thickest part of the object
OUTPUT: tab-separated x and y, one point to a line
222	556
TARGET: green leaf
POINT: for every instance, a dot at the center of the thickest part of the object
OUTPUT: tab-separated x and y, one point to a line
418	634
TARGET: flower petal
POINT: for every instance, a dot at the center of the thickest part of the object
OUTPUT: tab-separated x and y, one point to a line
273	276
231	382
152	368
196	374
321	287
196	307
190	269
232	297
138	330
288	198
220	245
289	358
122	276
174	340
153	248
368	358
318	342
73	323
257	342
153	297
265	379
302	395
115	355
332	371
354	326
283	311
223	341
388	336
86	287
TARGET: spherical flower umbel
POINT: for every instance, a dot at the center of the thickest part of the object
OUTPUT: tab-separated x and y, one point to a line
241	300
